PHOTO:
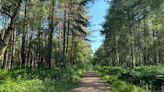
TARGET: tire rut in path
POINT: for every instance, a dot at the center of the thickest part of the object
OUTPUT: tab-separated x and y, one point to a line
90	82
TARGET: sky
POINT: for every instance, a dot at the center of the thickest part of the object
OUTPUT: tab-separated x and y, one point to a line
0	22
97	11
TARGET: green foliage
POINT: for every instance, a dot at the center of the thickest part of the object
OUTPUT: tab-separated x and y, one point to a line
133	37
29	41
149	74
141	76
83	53
133	34
120	86
39	80
21	85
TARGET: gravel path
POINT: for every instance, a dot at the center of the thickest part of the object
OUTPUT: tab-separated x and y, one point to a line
90	82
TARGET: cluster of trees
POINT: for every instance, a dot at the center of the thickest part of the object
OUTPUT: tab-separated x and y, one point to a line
134	34
43	33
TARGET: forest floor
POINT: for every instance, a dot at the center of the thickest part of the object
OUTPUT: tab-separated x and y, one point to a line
90	82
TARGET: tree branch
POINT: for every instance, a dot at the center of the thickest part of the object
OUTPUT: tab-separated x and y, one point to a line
5	13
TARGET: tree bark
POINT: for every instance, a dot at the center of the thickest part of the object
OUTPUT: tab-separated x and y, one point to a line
23	55
64	34
4	42
50	35
13	47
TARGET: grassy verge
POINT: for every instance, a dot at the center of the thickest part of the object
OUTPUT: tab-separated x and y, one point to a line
121	86
39	80
118	85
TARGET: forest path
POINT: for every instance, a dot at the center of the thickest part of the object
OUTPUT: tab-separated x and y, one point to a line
90	82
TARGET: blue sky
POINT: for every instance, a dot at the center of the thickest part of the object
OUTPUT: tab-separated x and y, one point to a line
97	11
0	22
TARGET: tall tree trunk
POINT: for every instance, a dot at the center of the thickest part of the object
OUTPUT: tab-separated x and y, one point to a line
5	40
4	60
13	47
50	35
72	49
68	24
64	34
29	51
23	55
68	27
39	44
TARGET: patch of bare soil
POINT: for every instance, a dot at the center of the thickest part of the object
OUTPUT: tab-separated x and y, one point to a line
90	82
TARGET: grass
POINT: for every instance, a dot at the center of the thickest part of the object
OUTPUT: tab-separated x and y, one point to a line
39	80
110	75
148	77
147	74
121	86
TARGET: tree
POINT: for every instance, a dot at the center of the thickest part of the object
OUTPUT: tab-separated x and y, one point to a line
131	37
7	34
43	33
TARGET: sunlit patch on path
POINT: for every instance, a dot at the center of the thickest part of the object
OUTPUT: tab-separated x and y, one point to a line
91	83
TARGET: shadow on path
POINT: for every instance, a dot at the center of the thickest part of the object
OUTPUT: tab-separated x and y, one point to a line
90	82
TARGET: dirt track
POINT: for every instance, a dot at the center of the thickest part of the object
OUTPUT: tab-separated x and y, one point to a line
91	83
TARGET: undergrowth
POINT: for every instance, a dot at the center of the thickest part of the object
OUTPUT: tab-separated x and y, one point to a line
39	80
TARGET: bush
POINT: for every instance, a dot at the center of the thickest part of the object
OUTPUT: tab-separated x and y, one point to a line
121	86
39	80
144	76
